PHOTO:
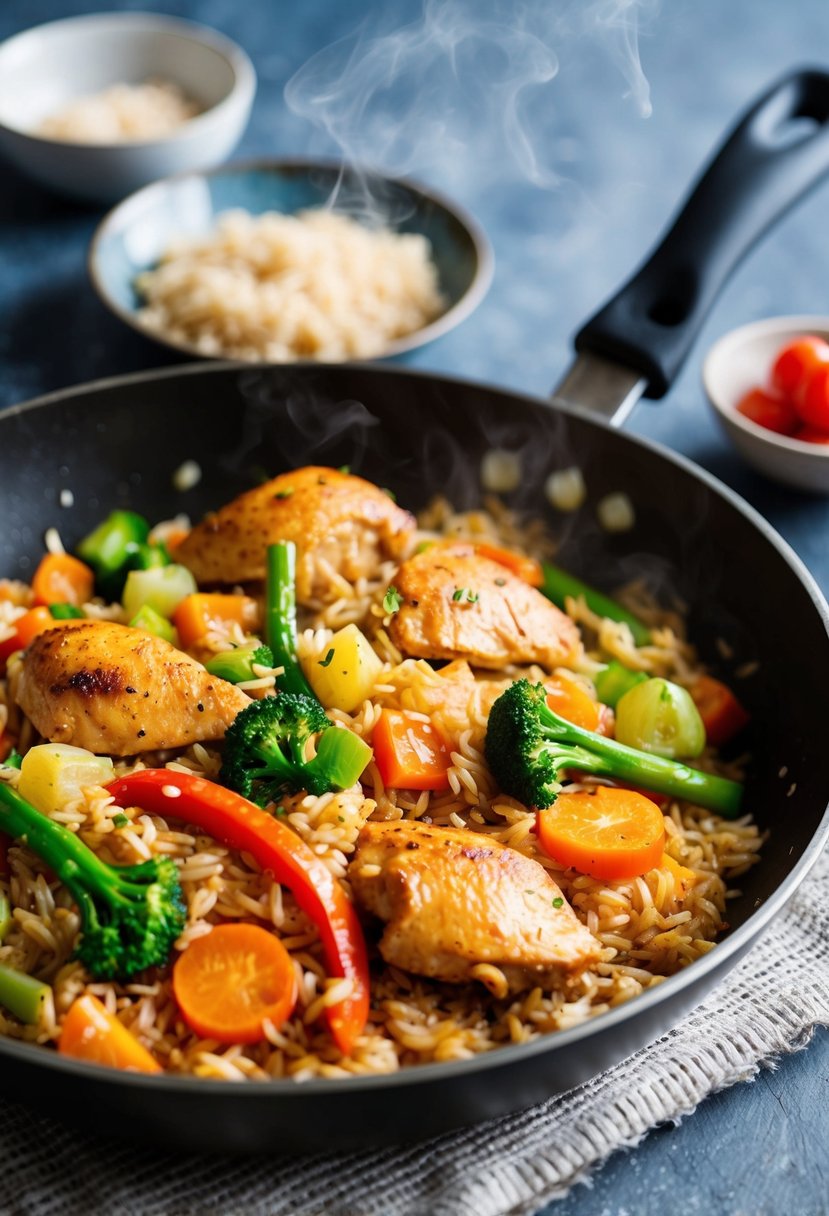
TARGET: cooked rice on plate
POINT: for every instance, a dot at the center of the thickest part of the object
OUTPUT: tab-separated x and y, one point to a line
640	928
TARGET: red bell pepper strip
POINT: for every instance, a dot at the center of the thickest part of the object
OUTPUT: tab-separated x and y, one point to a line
229	817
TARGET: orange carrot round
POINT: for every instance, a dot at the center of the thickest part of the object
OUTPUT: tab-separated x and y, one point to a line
229	981
90	1033
607	833
62	579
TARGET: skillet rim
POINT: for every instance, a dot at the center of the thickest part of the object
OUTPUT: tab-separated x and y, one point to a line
501	1057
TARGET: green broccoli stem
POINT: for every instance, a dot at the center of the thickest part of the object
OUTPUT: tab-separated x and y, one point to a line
558	586
73	862
280	616
22	995
572	747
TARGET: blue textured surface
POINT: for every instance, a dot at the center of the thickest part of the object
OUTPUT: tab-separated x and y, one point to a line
572	184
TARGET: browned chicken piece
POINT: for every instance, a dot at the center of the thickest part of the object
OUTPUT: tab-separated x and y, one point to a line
118	691
459	605
454	899
337	522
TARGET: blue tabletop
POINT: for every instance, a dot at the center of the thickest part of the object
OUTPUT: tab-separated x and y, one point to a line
572	148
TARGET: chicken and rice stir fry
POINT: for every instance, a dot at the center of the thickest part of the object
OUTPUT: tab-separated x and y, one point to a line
316	788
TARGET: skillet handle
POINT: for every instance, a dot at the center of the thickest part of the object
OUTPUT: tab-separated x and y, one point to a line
777	152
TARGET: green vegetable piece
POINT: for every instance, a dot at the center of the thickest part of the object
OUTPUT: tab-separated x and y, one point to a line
65	612
660	717
108	549
120	821
150	557
558	585
613	681
130	915
280	617
528	746
5	916
22	995
236	666
150	621
266	744
329	658
162	588
14	759
392	600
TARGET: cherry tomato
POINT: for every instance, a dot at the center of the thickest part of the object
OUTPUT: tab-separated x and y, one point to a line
813	403
769	411
796	364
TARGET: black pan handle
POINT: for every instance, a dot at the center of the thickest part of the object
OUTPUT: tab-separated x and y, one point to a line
778	151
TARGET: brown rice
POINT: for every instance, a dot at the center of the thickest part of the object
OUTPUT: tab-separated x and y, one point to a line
646	927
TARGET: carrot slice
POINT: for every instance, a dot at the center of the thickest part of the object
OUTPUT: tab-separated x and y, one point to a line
229	981
568	699
723	716
197	614
526	568
62	579
410	754
90	1033
607	833
26	629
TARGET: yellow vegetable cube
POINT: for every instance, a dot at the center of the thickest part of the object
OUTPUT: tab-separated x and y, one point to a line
345	674
53	774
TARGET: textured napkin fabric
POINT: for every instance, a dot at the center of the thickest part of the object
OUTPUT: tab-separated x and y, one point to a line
769	1004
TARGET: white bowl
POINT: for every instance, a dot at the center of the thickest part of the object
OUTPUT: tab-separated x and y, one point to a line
742	360
44	68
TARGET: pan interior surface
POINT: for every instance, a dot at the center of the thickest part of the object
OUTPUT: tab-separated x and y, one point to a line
120	443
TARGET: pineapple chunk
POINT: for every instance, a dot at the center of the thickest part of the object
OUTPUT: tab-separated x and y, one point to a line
345	674
53	774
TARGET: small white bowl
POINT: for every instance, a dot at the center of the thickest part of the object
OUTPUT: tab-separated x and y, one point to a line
742	360
44	68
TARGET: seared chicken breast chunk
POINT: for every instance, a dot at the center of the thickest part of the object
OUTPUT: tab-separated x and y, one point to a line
339	523
459	605
119	691
453	899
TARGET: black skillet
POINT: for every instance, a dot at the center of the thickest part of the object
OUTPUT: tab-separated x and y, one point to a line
118	442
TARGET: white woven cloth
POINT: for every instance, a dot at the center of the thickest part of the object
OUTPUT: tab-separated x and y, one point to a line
769	1004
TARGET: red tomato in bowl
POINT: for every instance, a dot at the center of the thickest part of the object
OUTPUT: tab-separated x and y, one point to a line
796	364
769	411
813	402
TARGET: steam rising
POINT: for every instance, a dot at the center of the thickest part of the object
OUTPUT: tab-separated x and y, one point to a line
464	90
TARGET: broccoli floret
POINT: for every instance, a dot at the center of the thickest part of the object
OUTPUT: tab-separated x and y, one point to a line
528	746
237	665
267	744
130	915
